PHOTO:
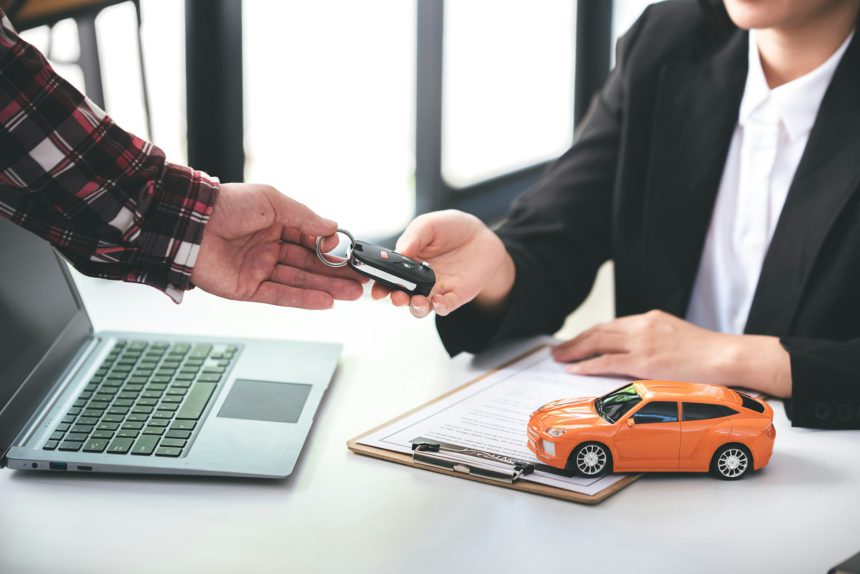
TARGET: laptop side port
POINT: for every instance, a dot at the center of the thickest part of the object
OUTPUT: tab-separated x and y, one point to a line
58	466
85	468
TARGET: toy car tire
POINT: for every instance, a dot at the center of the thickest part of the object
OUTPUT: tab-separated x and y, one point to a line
731	462
590	459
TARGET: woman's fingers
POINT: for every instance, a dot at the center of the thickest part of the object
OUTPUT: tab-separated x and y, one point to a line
606	365
419	306
594	342
445	303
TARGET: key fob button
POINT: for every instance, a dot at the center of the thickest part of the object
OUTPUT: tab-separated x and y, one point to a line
408	265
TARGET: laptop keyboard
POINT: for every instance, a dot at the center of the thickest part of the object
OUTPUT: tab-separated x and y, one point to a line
146	399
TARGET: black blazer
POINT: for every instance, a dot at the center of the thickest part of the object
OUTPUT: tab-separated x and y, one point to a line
638	187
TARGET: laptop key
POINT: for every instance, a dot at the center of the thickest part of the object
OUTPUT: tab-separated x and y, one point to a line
63	427
58	435
168	451
145	445
127	433
153	430
107	434
76	437
183	434
183	425
71	445
137	417
108	426
158	423
96	445
209	377
113	418
87	420
196	401
132	425
120	445
51	445
86	429
162	415
174	442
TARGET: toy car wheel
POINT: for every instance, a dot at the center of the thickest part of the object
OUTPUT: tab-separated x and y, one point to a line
591	459
731	462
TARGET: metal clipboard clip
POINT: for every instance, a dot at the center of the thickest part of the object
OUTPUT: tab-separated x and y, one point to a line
470	461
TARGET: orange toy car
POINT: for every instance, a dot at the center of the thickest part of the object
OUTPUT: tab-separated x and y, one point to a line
655	426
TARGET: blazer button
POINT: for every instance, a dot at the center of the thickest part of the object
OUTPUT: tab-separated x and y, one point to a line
845	413
823	411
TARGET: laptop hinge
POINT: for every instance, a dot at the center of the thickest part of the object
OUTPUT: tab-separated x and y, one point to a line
51	399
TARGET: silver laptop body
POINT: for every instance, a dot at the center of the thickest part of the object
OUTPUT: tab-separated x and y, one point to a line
254	422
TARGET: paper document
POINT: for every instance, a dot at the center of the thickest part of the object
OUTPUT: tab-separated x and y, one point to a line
491	415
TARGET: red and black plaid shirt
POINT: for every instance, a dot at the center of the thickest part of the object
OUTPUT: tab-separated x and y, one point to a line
106	199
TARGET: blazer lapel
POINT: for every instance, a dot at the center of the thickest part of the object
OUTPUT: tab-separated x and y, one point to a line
828	174
697	111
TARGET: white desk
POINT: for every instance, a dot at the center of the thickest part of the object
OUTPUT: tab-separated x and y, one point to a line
344	513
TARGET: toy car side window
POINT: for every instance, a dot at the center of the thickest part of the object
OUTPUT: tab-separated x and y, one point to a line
657	412
704	411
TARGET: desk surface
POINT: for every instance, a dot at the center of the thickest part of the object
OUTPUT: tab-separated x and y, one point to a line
341	512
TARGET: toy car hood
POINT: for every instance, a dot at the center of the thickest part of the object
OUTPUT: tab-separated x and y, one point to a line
567	414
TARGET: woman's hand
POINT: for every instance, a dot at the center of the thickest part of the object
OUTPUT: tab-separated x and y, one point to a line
259	245
657	345
469	260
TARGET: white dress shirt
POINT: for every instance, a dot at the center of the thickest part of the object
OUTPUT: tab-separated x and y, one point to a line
772	131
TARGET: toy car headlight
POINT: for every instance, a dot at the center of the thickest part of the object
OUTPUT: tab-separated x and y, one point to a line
555	432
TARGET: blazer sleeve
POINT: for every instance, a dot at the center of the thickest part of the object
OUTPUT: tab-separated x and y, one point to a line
825	385
558	233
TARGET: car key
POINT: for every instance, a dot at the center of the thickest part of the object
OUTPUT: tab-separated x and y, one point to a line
392	269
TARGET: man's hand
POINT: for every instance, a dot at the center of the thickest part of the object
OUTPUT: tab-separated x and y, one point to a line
259	245
469	260
657	345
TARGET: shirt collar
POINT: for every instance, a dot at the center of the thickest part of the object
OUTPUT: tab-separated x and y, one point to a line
796	102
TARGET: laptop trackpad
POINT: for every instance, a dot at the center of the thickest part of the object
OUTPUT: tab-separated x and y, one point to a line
265	401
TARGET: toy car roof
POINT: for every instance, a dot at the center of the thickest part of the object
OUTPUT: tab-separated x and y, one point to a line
690	392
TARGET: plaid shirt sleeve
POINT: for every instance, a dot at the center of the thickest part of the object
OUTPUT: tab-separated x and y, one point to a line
104	198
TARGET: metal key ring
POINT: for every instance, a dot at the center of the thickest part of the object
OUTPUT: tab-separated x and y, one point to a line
343	263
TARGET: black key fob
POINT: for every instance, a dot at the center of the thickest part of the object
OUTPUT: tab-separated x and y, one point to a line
392	269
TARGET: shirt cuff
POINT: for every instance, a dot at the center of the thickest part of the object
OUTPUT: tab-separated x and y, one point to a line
180	202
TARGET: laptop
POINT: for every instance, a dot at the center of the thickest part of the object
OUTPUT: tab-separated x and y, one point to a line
73	399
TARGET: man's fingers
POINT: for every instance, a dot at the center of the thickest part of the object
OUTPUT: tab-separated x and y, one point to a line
597	342
343	289
273	293
292	214
607	365
298	256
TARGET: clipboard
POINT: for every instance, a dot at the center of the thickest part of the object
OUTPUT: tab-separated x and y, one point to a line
355	446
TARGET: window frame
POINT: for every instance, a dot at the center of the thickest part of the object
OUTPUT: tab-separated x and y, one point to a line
490	199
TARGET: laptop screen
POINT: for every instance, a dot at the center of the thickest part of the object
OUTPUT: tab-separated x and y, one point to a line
37	307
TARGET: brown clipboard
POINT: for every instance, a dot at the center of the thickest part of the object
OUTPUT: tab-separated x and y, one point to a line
401	458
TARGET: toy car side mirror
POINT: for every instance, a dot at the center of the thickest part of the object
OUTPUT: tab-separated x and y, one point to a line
630	422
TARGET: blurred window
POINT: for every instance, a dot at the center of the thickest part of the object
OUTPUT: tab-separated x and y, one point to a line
508	86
